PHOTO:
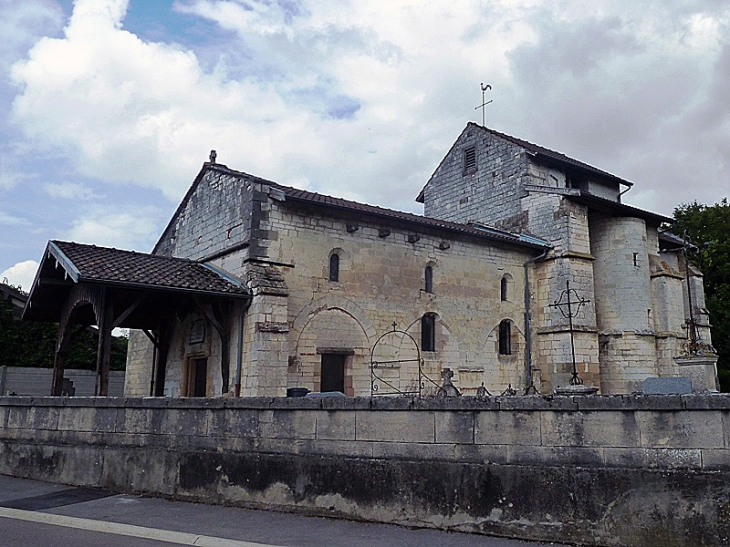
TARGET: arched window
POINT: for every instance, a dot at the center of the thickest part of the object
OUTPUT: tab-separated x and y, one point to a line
428	332
505	333
503	288
334	267
428	279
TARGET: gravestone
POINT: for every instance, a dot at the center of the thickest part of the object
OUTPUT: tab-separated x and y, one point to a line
667	386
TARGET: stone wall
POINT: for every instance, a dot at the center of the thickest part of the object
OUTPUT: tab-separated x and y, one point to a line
605	470
381	281
489	193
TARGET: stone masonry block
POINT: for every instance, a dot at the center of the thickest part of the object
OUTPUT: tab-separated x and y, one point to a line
39	417
140	470
140	421
601	428
413	451
184	422
719	401
630	457
334	425
395	426
88	474
286	446
679	458
716	459
87	419
357	449
286	424
507	427
537	402
454	427
677	430
239	422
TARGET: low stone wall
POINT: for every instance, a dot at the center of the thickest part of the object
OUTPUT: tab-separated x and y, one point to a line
602	470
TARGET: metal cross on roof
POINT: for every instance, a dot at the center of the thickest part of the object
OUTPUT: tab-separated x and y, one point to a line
566	306
484	104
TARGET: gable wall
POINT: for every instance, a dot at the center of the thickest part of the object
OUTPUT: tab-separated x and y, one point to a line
490	195
217	215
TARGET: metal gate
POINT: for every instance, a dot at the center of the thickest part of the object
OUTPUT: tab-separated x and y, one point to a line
396	366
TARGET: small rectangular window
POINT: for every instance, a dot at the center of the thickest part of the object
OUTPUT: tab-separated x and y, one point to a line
428	332
505	345
470	160
334	267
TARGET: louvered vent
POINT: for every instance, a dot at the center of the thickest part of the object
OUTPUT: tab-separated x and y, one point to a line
470	160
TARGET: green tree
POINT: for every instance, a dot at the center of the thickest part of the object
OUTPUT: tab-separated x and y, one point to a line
30	344
709	230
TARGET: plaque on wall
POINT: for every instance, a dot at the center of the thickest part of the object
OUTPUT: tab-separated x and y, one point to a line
197	332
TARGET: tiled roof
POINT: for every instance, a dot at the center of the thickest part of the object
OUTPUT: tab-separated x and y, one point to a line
670	239
294	194
615	207
557	157
113	266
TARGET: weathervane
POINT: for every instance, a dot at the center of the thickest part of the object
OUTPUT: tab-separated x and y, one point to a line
566	308
484	104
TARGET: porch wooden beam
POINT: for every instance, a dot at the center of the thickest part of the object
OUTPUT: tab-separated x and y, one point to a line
126	313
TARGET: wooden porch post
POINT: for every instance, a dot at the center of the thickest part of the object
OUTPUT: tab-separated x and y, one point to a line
164	337
103	352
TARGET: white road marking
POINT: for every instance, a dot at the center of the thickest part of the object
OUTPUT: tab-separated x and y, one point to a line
170	536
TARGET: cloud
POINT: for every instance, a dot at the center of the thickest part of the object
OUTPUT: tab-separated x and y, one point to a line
71	191
22	22
362	99
21	274
111	228
316	88
11	220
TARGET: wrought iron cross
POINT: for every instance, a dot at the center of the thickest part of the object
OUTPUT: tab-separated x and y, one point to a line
565	304
484	104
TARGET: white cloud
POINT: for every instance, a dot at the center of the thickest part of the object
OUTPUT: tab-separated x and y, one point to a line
21	274
112	228
70	190
22	22
362	99
11	220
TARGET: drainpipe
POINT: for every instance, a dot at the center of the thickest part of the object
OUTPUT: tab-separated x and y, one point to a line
239	354
528	336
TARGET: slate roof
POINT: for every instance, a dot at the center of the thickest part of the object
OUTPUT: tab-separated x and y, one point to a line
553	156
303	196
668	240
114	266
550	156
615	207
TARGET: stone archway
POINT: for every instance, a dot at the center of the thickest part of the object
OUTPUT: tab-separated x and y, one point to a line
330	329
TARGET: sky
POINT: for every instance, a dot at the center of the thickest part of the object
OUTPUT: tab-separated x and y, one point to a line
108	108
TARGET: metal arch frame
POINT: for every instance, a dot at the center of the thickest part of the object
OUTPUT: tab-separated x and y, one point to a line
376	380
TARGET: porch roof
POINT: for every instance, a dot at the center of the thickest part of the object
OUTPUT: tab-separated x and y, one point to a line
155	282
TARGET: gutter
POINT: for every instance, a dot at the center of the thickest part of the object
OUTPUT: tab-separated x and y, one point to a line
239	353
528	337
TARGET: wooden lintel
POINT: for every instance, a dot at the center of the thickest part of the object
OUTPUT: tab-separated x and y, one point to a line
126	313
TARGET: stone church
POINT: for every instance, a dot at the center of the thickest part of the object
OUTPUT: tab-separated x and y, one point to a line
525	273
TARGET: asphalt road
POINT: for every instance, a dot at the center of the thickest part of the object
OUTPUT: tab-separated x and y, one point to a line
34	513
